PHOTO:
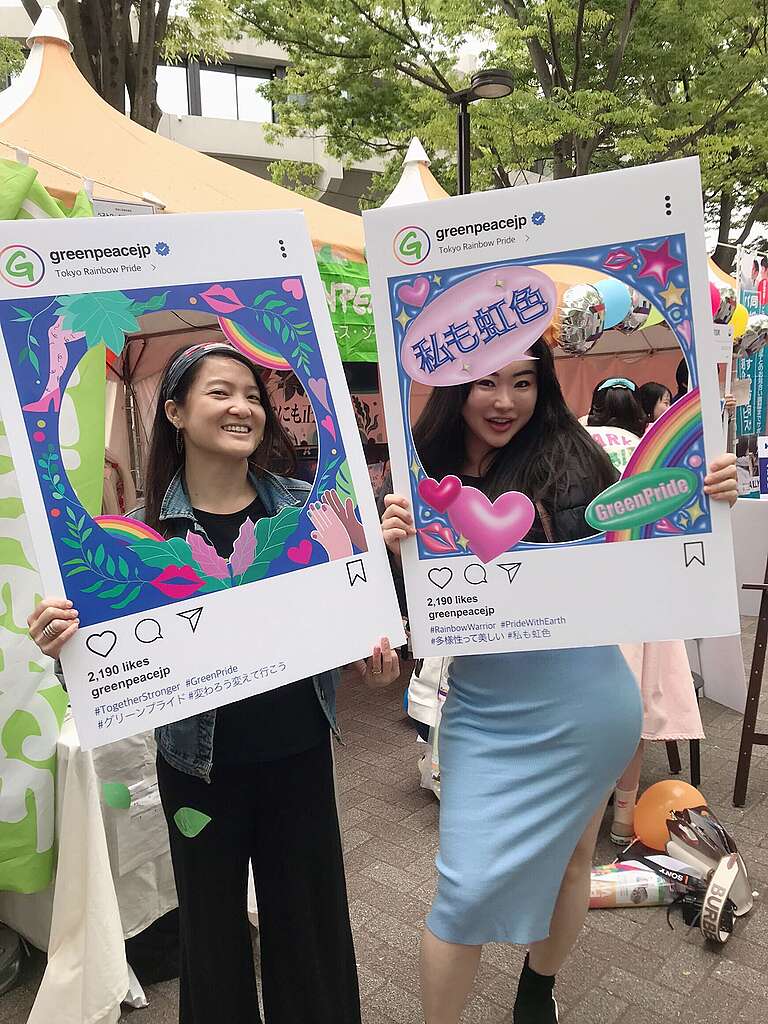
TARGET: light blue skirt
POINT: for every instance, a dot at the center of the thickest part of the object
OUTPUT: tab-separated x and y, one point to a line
530	746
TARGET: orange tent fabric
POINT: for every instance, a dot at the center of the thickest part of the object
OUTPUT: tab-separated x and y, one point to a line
63	120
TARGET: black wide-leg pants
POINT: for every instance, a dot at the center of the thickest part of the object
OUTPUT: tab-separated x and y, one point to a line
281	815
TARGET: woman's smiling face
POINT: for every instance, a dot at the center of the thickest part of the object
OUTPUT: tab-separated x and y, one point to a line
222	413
500	405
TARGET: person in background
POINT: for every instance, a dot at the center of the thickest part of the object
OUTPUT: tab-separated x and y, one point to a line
259	769
655	399
616	419
681	379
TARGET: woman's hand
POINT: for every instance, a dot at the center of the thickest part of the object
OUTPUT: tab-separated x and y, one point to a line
382	668
720	483
52	623
397	522
730	405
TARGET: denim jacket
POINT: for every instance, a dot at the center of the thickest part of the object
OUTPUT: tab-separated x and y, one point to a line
188	745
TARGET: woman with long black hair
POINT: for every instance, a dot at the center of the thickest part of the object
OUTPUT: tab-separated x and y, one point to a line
260	770
531	743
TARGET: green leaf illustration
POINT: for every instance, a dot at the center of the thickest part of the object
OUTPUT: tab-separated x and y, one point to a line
271	535
125	601
190	822
104	318
23	314
344	486
163	553
151	305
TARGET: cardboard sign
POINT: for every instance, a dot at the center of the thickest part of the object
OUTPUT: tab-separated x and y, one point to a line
168	628
462	288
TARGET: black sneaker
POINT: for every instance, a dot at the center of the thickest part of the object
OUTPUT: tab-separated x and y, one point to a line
540	1014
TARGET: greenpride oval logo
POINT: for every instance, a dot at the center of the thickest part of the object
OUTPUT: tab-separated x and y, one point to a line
642	499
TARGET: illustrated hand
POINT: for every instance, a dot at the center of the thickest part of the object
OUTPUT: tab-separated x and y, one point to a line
397	522
329	531
52	623
383	666
720	483
347	517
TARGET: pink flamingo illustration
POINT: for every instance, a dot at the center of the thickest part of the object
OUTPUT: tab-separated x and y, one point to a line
58	357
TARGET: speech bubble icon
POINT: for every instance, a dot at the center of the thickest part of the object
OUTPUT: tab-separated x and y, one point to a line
147	631
475	574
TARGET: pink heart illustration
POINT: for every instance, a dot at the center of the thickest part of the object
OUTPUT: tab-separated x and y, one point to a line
439	495
414	294
491	528
328	424
319	388
302	553
294	287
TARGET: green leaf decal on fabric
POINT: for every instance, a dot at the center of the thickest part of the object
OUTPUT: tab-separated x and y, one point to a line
190	822
116	794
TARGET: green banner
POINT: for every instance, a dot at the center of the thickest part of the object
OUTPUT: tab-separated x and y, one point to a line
348	291
752	271
32	703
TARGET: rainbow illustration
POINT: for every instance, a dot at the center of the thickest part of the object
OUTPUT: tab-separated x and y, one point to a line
669	442
126	529
253	348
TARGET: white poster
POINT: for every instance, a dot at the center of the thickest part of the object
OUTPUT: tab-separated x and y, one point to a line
462	288
169	629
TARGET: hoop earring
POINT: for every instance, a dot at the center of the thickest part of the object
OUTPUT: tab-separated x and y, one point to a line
179	441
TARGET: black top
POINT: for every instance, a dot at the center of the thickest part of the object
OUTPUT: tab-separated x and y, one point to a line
280	722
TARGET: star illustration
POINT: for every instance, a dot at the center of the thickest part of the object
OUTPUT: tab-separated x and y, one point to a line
695	511
403	319
415	468
466	368
658	262
501	284
437	279
463	542
673	296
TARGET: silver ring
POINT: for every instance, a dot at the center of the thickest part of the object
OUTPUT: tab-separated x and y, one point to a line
375	671
49	633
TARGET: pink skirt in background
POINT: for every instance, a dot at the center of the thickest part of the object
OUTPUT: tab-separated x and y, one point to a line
670	708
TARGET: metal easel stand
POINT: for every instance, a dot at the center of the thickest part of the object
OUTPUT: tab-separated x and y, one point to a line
750	738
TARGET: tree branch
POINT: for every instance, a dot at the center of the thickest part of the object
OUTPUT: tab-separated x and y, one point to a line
81	33
517	10
577	45
621	45
708	125
758	207
414	35
555	49
33	9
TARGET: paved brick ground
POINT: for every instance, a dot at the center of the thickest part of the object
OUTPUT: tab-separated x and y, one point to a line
629	967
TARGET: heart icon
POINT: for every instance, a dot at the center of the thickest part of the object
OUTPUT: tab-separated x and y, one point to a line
440	577
101	643
294	287
328	424
414	294
439	495
491	528
302	553
319	388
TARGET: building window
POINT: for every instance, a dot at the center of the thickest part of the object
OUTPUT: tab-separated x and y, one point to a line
229	91
172	90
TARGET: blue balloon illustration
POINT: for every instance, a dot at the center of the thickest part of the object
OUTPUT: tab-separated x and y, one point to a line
616	298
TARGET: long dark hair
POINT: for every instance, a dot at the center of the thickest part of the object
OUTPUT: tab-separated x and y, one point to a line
617	407
651	393
166	458
681	379
550	454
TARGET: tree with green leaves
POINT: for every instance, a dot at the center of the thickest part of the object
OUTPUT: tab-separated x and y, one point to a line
117	46
11	60
598	85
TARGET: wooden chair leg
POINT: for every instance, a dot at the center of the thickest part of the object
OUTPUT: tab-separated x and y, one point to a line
673	755
695	748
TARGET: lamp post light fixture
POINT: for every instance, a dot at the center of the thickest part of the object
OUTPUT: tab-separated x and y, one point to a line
491	84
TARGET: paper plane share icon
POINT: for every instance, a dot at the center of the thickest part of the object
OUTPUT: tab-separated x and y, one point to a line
192	615
510	568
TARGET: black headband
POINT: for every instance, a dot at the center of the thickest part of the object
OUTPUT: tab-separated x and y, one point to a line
186	359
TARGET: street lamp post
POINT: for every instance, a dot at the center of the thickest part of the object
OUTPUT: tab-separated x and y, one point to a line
492	84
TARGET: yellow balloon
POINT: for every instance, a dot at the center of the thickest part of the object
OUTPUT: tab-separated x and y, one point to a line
739	320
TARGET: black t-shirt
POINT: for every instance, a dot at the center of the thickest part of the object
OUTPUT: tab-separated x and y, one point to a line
269	725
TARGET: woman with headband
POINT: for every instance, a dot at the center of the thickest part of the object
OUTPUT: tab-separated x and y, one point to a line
259	769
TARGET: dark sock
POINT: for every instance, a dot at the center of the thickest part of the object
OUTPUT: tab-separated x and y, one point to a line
534	993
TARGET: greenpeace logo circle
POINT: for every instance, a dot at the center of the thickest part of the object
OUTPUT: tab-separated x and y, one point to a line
411	245
21	266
